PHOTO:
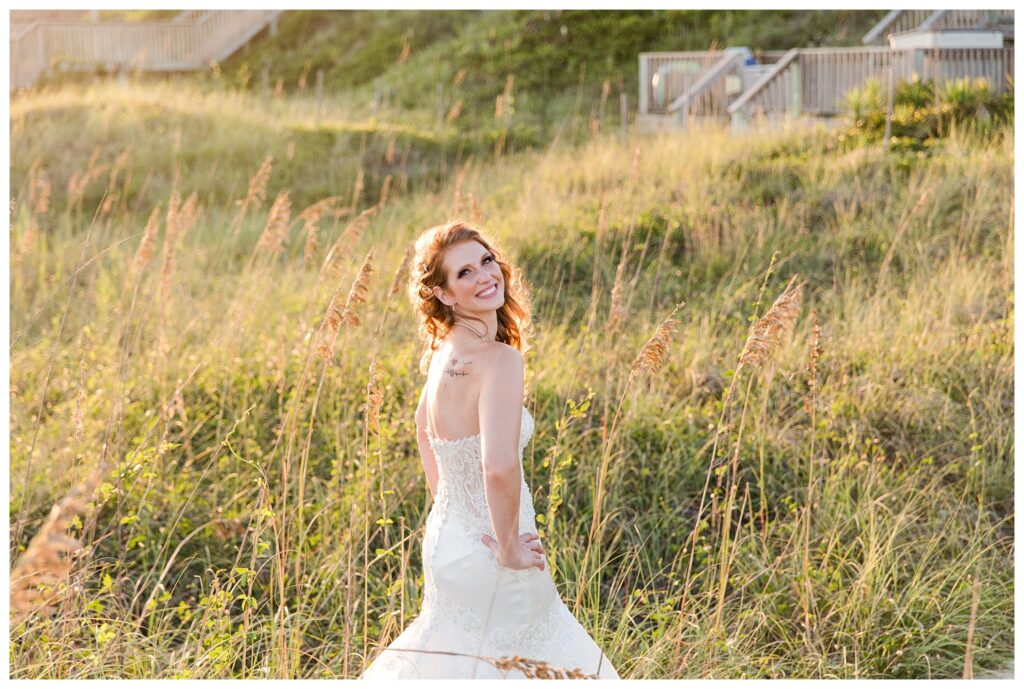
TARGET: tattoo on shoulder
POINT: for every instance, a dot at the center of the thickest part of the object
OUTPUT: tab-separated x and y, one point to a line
452	369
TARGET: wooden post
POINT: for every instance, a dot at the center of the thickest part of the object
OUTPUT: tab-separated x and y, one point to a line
93	40
935	70
623	115
273	26
796	88
265	82
888	107
319	95
43	67
682	115
645	83
579	100
438	105
738	121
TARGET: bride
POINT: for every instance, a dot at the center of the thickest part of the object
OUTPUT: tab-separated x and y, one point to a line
487	590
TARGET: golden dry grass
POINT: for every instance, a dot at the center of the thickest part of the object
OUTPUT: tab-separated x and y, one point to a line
860	456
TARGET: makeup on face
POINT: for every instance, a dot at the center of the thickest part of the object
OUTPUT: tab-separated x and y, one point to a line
486	286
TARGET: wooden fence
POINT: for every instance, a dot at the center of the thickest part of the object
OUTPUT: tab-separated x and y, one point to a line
680	73
179	45
814	81
666	76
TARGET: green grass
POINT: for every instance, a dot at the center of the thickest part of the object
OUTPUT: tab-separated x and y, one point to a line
354	48
197	391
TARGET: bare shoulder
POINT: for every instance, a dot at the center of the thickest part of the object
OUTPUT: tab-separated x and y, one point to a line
502	356
502	369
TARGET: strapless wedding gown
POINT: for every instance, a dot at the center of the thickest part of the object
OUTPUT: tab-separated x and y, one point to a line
471	604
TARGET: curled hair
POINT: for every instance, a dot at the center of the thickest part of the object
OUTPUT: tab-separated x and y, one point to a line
435	318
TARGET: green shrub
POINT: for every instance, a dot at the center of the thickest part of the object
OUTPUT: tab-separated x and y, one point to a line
923	110
916	93
865	102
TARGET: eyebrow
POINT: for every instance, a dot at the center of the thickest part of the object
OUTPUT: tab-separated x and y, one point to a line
468	265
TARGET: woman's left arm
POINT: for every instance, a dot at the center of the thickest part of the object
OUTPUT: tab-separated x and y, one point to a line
426	452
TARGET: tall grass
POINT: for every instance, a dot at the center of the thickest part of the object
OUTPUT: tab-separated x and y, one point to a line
816	488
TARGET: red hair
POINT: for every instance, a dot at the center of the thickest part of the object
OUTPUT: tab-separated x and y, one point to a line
436	319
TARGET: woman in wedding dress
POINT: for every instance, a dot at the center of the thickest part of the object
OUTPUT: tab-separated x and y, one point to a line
487	588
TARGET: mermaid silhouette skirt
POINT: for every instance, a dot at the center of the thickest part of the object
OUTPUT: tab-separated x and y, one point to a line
472	606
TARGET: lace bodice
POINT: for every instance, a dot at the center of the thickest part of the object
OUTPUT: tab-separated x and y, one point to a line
460	483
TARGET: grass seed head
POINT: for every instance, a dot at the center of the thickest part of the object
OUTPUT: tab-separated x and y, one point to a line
537	669
385	190
256	194
145	250
653	352
374	398
767	332
314	212
310	229
398	280
40	569
360	288
347	240
276	230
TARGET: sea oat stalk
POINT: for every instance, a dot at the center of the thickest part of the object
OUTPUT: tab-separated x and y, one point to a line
39	570
766	333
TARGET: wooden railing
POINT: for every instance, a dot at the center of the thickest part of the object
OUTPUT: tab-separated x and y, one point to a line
666	76
815	81
947	64
150	46
28	58
827	75
963	19
707	95
774	92
898	21
189	16
680	72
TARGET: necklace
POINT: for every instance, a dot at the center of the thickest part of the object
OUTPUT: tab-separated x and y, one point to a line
478	333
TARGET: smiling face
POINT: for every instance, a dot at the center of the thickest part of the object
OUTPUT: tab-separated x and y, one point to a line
475	282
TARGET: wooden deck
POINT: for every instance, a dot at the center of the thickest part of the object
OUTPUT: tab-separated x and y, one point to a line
814	81
734	85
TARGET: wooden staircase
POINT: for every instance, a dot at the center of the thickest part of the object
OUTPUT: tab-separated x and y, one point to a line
188	42
899	21
709	93
735	85
677	87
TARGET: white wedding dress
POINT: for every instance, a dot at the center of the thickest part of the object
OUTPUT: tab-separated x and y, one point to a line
472	606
